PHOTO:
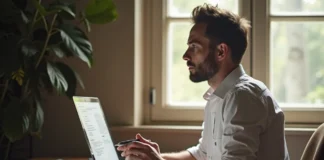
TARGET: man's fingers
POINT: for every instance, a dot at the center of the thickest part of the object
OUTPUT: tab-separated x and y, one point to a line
135	151
136	144
147	141
141	138
155	146
132	157
132	145
121	148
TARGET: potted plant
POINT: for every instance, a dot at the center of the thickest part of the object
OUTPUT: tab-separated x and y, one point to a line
35	37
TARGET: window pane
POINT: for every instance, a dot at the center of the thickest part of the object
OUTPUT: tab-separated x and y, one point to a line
183	8
297	7
297	56
179	87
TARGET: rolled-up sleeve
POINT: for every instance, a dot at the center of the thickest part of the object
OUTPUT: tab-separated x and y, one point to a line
199	151
244	118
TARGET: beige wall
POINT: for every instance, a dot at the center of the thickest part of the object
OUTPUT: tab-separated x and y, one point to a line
111	79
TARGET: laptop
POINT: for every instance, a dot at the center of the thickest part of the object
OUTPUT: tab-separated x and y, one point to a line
95	128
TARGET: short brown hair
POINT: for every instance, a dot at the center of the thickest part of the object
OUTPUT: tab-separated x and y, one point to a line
224	26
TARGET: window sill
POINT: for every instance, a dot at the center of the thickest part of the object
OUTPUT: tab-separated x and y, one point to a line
289	130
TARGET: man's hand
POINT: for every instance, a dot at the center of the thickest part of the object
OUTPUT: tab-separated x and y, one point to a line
141	150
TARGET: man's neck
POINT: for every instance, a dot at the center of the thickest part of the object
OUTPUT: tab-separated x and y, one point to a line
217	79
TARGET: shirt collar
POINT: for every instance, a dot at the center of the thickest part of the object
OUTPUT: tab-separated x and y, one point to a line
226	84
208	93
229	81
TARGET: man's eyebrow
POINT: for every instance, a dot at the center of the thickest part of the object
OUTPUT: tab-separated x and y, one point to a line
194	41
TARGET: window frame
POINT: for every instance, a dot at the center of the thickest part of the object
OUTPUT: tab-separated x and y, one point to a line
255	62
159	111
261	56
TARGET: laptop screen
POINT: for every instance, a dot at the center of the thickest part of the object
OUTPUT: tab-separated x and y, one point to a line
95	128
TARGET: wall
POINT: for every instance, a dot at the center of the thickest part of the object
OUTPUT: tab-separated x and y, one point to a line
112	79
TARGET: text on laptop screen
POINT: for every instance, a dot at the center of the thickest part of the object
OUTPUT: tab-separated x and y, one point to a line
95	128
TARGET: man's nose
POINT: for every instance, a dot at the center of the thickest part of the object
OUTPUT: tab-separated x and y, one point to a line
186	57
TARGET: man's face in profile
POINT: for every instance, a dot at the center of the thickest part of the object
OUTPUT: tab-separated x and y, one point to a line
200	59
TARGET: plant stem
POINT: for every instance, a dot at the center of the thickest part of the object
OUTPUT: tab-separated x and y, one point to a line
45	23
33	22
55	30
34	19
81	21
4	92
8	150
46	41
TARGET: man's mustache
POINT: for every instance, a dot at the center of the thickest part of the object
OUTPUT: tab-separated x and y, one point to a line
190	64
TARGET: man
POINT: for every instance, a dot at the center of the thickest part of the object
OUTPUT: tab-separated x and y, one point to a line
242	120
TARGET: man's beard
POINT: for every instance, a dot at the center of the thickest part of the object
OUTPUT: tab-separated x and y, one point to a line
204	71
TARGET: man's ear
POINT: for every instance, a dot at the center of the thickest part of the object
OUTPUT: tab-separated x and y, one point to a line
223	51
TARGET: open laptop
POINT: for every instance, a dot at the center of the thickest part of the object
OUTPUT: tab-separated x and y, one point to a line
95	128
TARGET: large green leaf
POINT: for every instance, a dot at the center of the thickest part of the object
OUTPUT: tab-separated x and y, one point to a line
56	77
77	42
87	24
57	46
28	48
15	120
70	77
45	83
101	11
66	11
39	7
37	118
24	18
79	79
57	50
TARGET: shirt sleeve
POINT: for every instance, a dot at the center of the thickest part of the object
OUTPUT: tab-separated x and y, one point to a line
244	119
199	151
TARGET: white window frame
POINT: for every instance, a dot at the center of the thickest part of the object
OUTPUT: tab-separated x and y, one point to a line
255	62
158	24
261	59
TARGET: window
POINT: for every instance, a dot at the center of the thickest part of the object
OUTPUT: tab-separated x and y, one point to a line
181	92
285	53
292	62
296	55
177	98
